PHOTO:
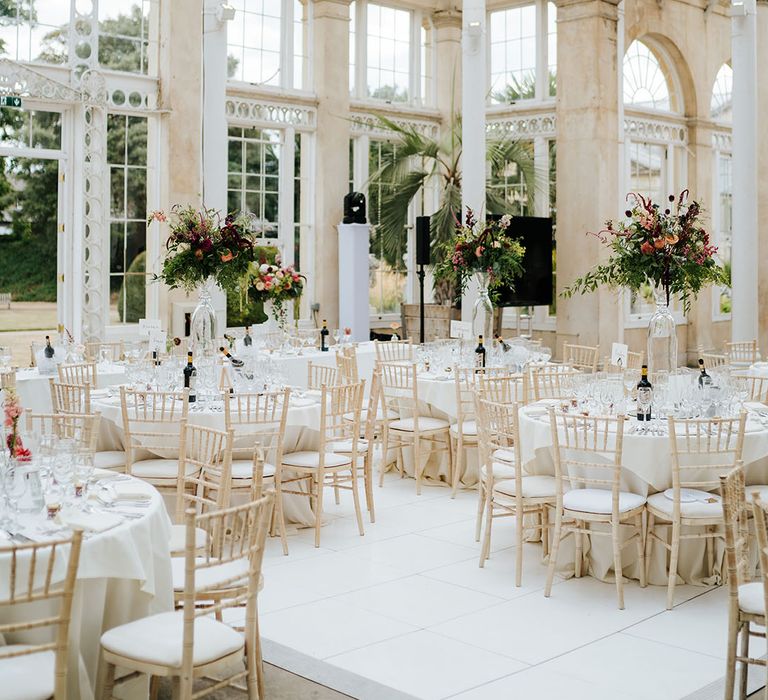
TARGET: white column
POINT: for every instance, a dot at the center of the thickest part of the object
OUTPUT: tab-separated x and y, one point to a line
473	51
744	317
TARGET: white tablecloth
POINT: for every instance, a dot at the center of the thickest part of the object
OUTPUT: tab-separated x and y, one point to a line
124	574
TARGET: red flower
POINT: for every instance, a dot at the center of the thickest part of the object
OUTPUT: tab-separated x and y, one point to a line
646	248
227	256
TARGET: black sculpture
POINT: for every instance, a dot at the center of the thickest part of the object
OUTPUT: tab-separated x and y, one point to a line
354	208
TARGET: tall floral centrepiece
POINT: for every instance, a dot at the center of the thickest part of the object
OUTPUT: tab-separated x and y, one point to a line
669	250
484	250
275	286
205	249
12	412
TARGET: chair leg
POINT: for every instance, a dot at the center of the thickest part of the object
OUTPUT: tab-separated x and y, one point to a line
384	453
519	529
485	553
553	553
255	664
320	486
641	549
356	499
744	671
733	640
154	687
672	581
458	460
105	681
280	517
416	466
649	532
545	530
336	492
480	504
617	566
578	556
368	482
710	549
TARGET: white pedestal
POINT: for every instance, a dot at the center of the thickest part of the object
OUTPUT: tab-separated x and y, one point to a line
354	310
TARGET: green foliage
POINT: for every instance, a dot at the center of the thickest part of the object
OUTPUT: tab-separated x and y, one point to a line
134	291
524	89
241	311
28	268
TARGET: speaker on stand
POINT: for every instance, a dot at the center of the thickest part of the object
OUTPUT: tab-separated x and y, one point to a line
422	258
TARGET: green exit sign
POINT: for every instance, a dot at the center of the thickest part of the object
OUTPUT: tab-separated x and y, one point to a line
10	101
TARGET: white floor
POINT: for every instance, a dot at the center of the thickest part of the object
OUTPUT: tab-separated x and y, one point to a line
405	611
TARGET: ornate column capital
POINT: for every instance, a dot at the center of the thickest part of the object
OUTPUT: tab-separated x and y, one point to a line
569	10
450	19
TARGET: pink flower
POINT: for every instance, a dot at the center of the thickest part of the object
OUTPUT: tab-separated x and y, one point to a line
646	248
479	251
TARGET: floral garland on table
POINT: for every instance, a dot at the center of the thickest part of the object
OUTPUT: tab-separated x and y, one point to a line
200	247
666	248
271	282
12	411
484	248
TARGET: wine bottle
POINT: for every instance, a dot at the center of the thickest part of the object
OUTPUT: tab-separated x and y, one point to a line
644	396
232	360
504	345
190	377
247	340
48	351
704	379
324	336
155	361
480	353
230	340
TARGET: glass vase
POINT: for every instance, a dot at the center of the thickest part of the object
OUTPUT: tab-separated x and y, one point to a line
482	311
203	323
662	337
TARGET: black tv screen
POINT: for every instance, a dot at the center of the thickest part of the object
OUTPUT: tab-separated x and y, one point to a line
534	288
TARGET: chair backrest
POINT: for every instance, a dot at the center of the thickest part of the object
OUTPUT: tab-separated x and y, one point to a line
78	373
582	357
761	533
70	398
372	414
41	575
742	352
502	388
152	420
757	387
205	469
337	404
736	516
319	376
399	391
82	428
258	419
239	534
8	380
587	452
113	350
466	380
346	364
635	360
550	382
498	428
713	359
703	449
394	350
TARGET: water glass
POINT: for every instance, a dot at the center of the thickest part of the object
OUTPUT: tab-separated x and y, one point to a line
5	356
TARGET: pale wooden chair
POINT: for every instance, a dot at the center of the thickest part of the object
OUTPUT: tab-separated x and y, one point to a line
70	398
8	380
204	477
78	373
550	382
702	449
153	423
258	419
191	643
328	466
745	597
502	388
346	365
38	670
319	376
408	428
81	428
742	353
588	460
582	357
507	491
756	386
635	361
394	350
748	599
713	359
112	349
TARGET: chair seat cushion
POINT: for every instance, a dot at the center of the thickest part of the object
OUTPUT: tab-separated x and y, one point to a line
346	446
109	459
468	428
599	501
158	639
28	677
391	415
694	509
752	598
159	469
312	459
501	471
505	455
533	486
213	576
243	469
178	540
426	423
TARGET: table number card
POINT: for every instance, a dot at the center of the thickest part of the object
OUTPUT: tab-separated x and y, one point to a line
146	325
619	355
157	340
461	329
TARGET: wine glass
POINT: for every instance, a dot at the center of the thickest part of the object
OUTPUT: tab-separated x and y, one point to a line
5	356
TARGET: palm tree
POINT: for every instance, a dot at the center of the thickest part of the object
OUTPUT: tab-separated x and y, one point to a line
416	160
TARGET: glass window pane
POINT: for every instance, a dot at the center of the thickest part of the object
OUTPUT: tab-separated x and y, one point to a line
137	140
136	186
116	248
117	192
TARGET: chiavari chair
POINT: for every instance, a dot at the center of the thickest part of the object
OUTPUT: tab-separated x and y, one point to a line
742	353
319	376
583	357
346	365
588	459
78	373
258	420
38	670
752	604
550	382
745	597
713	359
409	428
702	449
152	424
757	387
193	642
327	467
635	361
502	388
81	428
507	491
394	350
70	398
8	380
98	350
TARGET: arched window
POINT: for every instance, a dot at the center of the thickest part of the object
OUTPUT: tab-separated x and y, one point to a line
722	90
645	85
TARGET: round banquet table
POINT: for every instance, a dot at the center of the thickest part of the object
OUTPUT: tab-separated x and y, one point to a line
35	393
124	574
646	469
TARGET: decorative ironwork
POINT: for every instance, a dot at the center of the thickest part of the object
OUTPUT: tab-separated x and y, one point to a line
722	141
270	113
365	123
523	126
18	79
655	130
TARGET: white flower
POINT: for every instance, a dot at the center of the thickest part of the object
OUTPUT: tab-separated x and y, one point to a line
263	269
260	286
506	220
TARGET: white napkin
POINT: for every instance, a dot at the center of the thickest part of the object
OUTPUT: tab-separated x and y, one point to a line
300	402
95	522
129	491
693	495
756	406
